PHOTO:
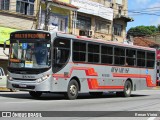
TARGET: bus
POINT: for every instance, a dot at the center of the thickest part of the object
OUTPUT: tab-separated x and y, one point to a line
52	62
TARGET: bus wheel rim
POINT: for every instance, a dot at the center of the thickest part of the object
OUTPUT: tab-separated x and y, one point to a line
128	89
73	90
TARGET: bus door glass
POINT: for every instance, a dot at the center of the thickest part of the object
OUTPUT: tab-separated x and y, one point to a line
61	53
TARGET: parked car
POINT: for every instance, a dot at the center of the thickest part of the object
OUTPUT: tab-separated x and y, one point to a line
3	81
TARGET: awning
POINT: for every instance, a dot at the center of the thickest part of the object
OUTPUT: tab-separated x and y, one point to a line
64	5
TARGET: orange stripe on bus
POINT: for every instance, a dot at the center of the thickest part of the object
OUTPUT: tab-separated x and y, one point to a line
147	77
88	71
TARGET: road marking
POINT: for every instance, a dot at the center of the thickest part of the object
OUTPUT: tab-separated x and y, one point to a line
151	118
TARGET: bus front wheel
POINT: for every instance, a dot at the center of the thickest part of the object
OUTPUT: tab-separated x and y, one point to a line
35	94
127	90
72	91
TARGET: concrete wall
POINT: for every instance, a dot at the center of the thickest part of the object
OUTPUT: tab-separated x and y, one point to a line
16	22
12	19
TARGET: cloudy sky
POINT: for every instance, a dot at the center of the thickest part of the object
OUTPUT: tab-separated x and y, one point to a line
144	12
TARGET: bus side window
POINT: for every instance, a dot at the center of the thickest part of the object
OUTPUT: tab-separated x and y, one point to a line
131	57
141	58
119	56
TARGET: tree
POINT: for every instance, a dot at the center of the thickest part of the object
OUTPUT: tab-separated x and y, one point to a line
140	31
158	28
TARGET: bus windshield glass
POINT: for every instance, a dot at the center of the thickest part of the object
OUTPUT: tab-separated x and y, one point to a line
29	55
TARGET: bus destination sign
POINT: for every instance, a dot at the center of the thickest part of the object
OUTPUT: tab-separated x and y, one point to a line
30	36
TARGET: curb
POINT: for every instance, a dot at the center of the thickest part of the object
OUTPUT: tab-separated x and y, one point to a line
3	89
157	88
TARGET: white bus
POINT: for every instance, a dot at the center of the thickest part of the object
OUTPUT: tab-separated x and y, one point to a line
51	62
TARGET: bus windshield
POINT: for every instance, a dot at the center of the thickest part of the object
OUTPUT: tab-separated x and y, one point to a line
29	55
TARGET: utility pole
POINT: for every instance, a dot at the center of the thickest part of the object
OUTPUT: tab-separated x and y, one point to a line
47	11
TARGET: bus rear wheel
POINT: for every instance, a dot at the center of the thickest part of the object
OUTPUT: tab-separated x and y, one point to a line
35	94
127	90
72	91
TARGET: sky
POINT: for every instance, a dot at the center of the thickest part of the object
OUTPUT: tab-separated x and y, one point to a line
139	10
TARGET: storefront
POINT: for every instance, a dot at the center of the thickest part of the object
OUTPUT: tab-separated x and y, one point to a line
60	16
4	35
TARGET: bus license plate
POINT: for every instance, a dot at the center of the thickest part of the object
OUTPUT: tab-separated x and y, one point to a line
23	85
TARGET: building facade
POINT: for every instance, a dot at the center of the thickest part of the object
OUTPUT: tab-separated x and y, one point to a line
58	16
101	19
110	23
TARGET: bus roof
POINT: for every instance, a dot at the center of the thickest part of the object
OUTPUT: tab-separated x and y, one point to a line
61	34
103	41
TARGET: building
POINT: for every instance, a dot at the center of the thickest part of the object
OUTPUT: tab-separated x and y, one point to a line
58	17
16	15
101	19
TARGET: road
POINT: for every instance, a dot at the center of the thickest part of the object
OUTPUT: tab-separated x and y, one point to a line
145	100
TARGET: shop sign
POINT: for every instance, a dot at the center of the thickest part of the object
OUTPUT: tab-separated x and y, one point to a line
93	8
5	34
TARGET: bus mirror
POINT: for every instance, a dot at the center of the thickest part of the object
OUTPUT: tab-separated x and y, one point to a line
4	48
58	55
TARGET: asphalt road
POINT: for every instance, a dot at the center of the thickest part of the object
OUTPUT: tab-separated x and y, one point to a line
146	100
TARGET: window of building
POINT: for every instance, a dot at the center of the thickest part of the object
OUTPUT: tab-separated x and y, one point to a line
4	4
119	56
102	26
109	0
93	53
118	29
83	23
79	51
25	7
106	54
119	2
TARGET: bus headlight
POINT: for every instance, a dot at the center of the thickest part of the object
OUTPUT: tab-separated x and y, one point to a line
9	78
42	78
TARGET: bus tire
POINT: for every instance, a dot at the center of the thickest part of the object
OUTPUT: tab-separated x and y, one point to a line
35	94
96	94
13	90
127	90
72	90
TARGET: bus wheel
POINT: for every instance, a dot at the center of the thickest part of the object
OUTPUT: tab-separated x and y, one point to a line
96	94
13	90
35	94
72	91
127	90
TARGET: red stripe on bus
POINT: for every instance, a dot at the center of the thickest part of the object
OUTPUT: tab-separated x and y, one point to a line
147	77
93	84
88	71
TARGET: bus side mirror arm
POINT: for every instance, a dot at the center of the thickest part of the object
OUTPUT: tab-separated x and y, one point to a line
58	55
4	47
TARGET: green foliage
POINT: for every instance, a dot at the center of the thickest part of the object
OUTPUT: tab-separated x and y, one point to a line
158	28
140	31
